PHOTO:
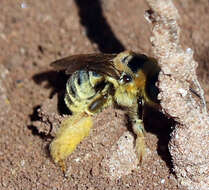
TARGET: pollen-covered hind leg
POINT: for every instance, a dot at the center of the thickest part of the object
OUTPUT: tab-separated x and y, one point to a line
138	128
72	131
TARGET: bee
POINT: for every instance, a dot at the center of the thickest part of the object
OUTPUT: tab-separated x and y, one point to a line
100	80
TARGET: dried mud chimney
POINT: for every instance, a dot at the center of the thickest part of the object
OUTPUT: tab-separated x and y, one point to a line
182	98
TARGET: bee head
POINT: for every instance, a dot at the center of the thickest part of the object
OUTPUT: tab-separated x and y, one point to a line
131	65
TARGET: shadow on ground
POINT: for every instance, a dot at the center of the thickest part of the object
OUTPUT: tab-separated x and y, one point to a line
97	28
157	123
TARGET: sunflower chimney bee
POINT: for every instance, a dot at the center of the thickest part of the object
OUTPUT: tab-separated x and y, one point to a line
100	80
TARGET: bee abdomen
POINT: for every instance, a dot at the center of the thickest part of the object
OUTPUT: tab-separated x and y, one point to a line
80	88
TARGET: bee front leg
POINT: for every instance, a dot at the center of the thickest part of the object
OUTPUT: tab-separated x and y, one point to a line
136	115
138	128
71	132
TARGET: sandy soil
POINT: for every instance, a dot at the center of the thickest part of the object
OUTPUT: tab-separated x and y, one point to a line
35	33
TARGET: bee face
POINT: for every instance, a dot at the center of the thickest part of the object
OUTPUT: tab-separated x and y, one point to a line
139	75
98	81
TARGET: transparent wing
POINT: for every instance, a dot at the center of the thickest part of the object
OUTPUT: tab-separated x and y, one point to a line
98	62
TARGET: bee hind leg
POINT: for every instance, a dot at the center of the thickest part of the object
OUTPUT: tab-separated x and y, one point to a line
71	132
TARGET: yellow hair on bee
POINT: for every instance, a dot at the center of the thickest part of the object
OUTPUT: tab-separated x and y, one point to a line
72	131
140	80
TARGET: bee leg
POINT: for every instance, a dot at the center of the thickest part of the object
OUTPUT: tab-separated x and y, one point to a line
136	115
62	165
71	132
138	128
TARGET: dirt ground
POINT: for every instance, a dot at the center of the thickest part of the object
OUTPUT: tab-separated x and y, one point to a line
35	33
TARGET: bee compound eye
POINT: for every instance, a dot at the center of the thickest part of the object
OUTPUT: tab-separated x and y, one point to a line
126	78
124	60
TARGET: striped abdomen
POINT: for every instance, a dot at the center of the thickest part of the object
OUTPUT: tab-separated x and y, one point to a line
87	91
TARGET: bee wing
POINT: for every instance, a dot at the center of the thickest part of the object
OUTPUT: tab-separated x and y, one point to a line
98	62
